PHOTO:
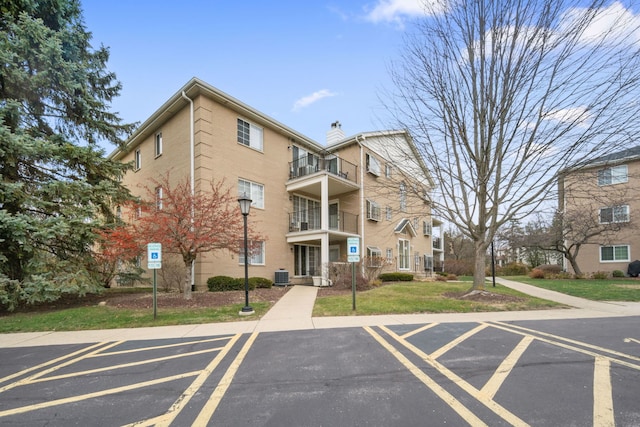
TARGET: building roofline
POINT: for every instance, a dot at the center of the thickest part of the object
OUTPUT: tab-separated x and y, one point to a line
194	88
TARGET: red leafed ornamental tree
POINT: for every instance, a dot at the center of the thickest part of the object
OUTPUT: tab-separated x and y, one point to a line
114	245
189	223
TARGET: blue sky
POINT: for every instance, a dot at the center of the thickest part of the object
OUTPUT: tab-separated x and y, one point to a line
304	63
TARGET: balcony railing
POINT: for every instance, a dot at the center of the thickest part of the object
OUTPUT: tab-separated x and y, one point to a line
437	243
335	166
310	220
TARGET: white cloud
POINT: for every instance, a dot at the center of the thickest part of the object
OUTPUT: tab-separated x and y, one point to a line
395	11
305	101
579	115
613	24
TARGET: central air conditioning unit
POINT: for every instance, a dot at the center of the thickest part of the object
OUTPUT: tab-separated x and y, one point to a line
281	278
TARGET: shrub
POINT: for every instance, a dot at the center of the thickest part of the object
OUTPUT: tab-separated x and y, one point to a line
617	273
259	282
599	275
396	277
536	273
452	277
440	278
550	268
225	283
460	267
514	269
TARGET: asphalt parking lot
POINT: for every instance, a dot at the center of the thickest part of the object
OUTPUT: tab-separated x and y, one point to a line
579	372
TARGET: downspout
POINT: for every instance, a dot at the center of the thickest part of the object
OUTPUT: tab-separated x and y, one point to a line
362	198
192	175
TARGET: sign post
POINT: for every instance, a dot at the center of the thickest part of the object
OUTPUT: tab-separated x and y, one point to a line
154	262
353	256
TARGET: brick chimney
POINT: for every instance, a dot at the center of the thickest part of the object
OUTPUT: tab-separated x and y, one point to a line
335	134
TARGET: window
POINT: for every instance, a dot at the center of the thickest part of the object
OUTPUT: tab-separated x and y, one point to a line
254	191
374	257
389	256
614	214
387	170
372	165
403	254
256	253
612	175
403	197
388	213
614	253
426	228
159	198
138	160
249	135
158	144
118	212
373	211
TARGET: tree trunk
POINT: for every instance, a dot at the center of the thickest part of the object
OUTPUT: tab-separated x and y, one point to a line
479	273
574	265
187	281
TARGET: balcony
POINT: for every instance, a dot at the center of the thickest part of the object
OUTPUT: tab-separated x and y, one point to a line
335	166
307	220
436	243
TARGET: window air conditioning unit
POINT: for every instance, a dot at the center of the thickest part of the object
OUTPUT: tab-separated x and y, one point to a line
304	226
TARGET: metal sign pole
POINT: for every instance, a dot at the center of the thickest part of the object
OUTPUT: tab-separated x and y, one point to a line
155	293
353	283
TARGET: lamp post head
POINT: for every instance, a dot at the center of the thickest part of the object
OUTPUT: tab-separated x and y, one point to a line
245	204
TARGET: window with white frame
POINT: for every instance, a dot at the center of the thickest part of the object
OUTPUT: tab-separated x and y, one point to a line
256	252
159	198
404	254
387	170
614	253
373	166
373	211
158	144
374	257
388	213
614	214
613	175
403	197
249	134
252	190
389	256
137	160
426	228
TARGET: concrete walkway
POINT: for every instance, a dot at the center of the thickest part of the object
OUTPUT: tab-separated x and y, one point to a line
294	312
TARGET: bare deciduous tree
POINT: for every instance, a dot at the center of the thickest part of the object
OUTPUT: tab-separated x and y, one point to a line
501	95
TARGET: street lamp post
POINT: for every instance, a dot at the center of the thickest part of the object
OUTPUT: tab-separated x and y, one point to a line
245	206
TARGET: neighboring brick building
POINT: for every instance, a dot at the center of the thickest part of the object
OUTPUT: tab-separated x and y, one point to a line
308	198
600	200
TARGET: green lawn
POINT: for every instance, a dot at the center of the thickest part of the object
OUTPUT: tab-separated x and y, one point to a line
96	317
421	297
623	289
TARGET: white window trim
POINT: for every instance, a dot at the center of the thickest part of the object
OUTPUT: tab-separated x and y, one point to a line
159	198
373	165
256	201
256	136
401	255
617	175
157	143
614	253
614	217
137	160
373	211
252	258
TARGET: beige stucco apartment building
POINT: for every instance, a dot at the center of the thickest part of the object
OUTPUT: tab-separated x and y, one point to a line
308	197
600	204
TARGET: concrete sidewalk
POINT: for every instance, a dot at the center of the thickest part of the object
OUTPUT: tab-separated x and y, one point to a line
294	312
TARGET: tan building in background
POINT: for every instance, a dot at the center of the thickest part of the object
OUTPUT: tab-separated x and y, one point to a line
308	198
600	204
